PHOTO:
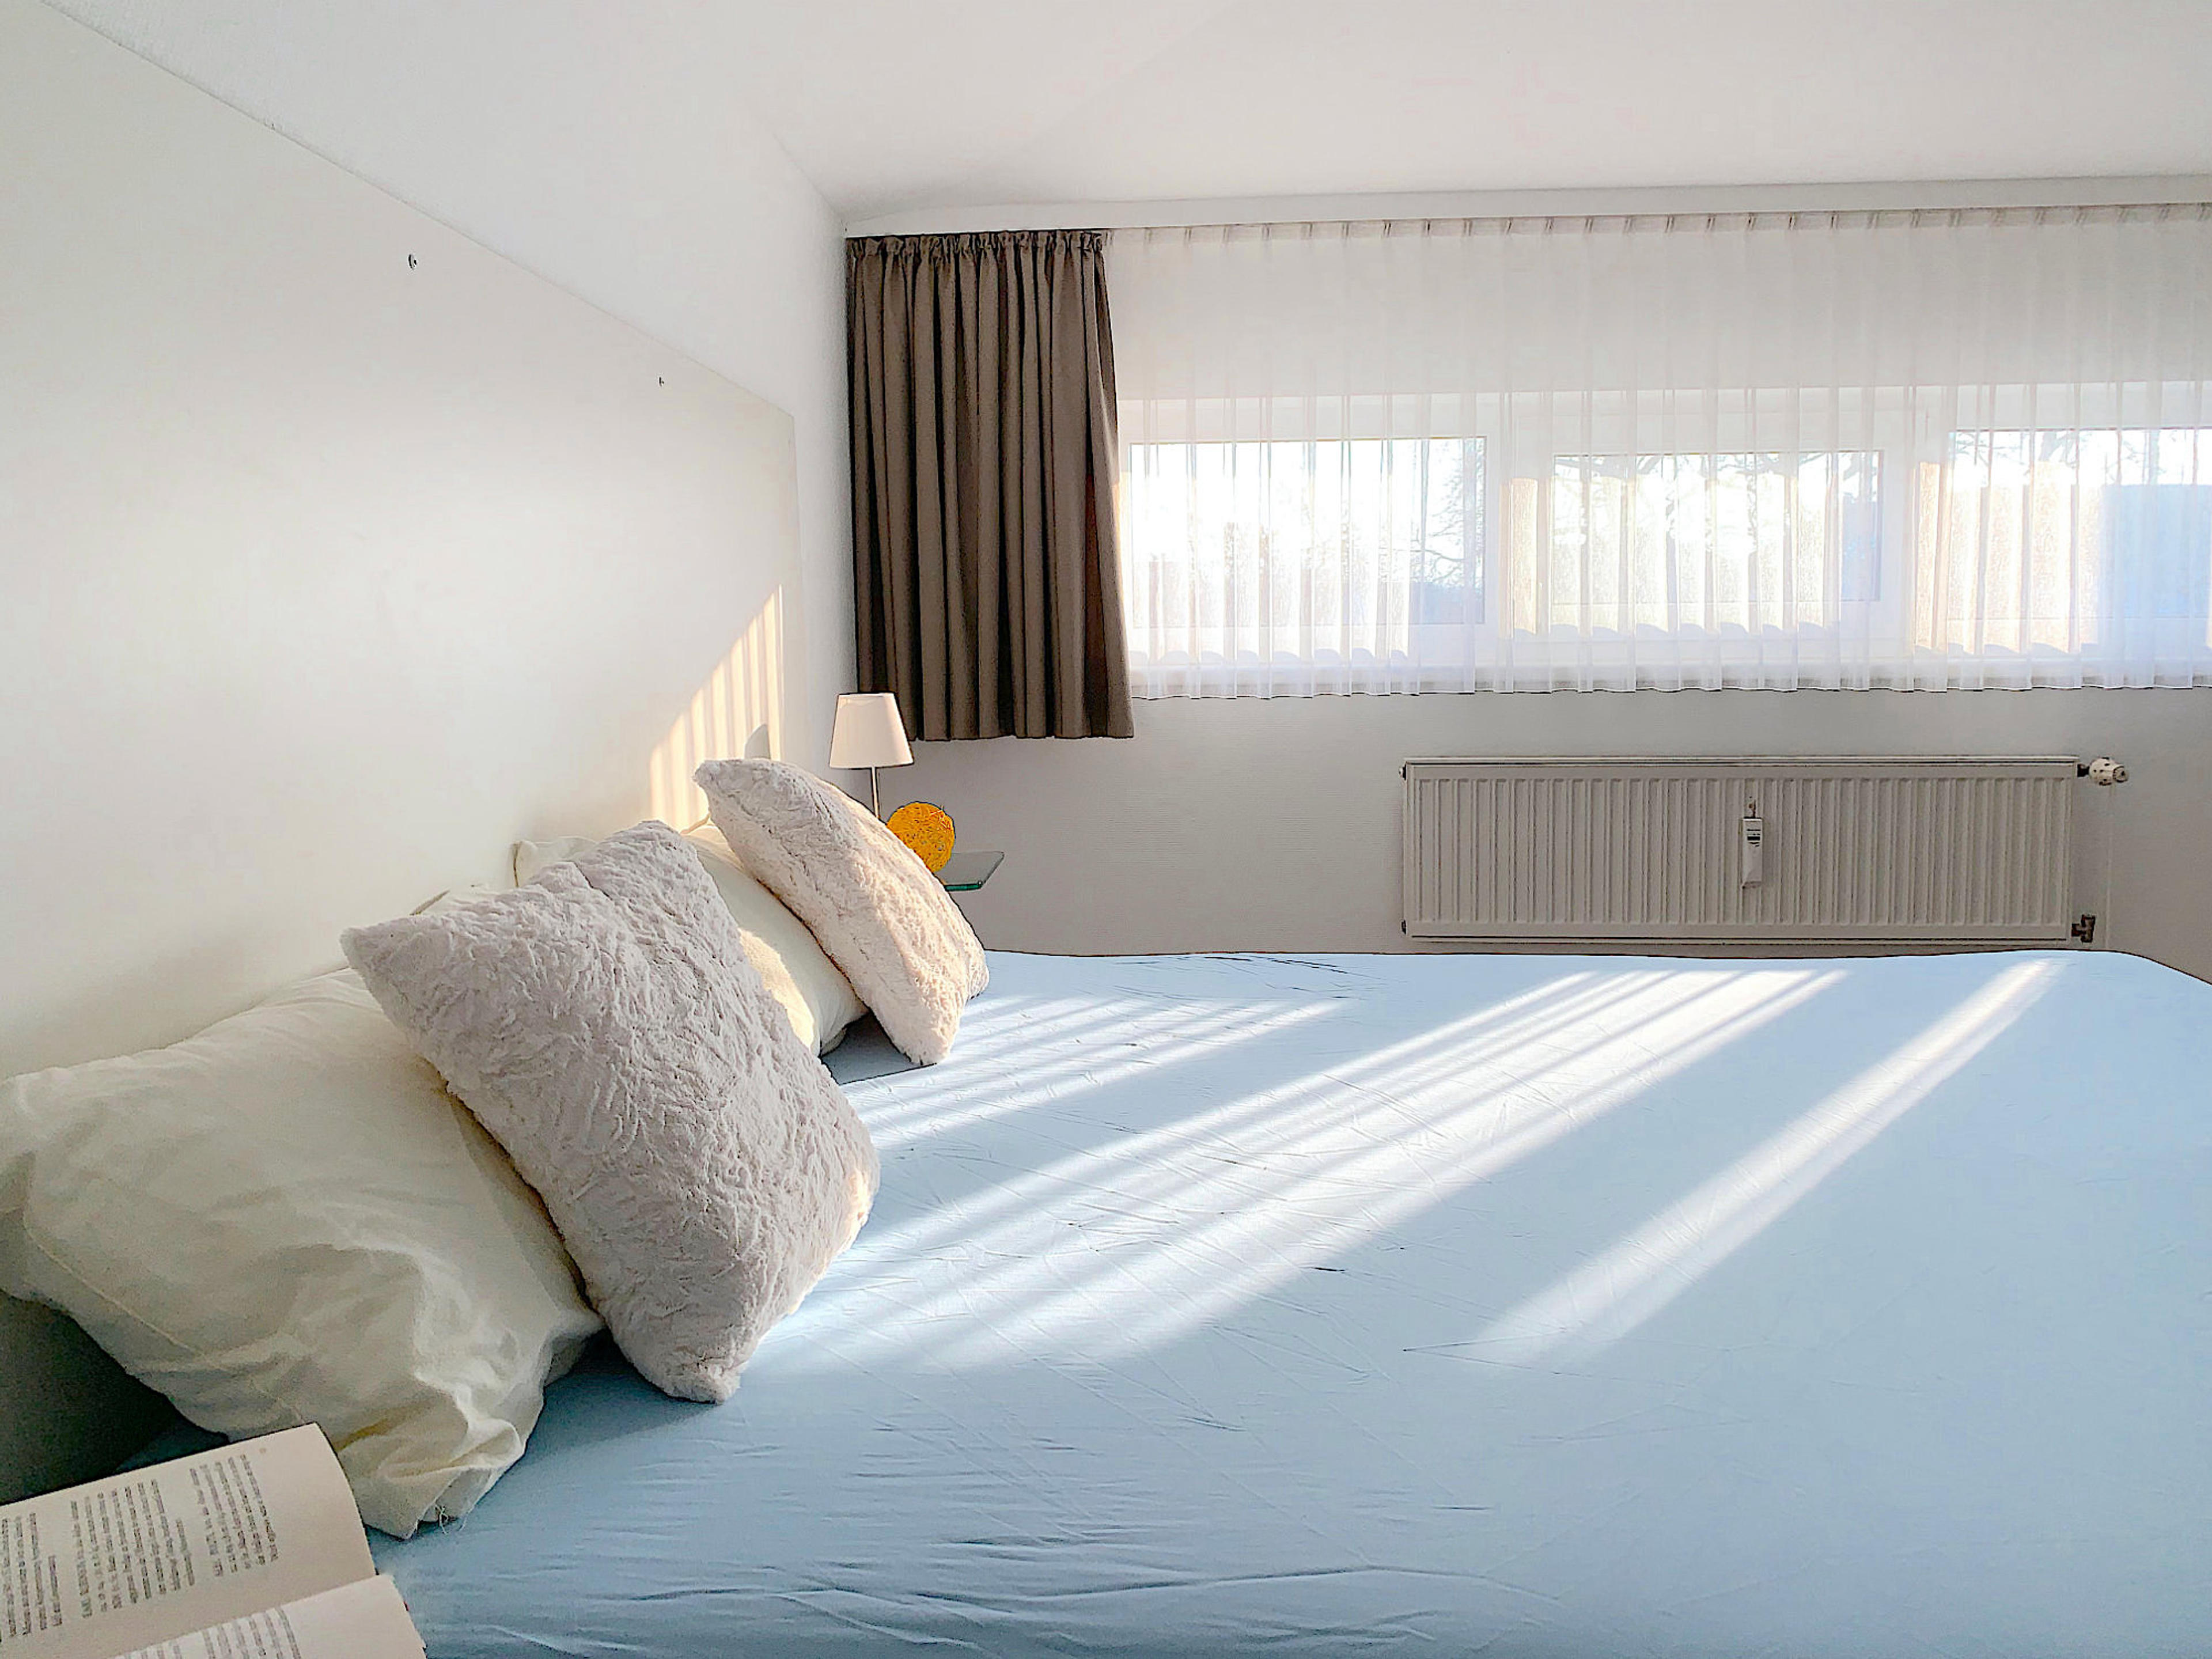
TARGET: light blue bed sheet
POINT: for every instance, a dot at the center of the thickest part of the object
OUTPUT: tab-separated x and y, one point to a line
1456	1305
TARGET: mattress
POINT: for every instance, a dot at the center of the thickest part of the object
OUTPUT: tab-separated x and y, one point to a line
1509	1305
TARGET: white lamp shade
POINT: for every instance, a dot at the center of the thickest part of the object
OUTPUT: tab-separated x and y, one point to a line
868	733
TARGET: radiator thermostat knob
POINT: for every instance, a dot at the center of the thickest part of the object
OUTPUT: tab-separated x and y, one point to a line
2107	770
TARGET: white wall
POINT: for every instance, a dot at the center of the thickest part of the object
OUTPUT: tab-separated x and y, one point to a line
606	149
335	552
1251	824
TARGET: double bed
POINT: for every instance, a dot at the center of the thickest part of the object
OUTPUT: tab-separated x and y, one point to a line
1511	1305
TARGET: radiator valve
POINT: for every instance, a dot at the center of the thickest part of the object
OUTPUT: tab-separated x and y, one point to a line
2105	771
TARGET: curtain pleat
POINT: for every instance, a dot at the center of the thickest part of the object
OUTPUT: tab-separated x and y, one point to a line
987	590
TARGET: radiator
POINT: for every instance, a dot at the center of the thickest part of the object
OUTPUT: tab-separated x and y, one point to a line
1967	850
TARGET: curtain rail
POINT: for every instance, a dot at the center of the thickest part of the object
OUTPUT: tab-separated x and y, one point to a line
1708	218
1931	196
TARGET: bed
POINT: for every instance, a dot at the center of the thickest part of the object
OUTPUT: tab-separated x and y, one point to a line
1511	1305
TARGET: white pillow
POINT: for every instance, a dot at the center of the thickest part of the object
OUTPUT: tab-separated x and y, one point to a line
604	1024
287	1219
873	905
818	998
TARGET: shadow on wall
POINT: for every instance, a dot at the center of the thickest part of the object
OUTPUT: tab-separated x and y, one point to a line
738	710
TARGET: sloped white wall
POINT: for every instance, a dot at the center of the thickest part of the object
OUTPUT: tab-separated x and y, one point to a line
336	551
604	148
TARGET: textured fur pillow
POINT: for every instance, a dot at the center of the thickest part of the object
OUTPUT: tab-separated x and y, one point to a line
879	914
818	998
604	1024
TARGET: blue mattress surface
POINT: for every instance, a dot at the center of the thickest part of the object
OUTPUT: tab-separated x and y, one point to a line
1509	1305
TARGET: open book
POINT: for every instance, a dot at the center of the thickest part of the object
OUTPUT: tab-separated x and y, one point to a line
253	1551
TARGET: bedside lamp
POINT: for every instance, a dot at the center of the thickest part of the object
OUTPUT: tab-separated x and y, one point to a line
869	734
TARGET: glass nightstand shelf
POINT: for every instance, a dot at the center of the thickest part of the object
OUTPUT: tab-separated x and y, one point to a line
965	871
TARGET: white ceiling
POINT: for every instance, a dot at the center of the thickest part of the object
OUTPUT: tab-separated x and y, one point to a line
992	101
891	106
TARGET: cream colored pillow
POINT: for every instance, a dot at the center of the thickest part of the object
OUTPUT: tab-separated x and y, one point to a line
602	1021
287	1219
818	998
879	914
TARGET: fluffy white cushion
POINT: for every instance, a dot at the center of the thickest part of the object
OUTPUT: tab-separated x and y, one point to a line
287	1219
818	998
876	911
604	1024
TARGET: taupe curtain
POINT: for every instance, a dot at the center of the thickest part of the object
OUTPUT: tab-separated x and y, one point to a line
985	566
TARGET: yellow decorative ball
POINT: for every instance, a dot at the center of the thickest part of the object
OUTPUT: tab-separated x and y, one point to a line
927	830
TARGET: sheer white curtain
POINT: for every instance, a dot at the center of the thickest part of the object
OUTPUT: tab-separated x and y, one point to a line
1926	450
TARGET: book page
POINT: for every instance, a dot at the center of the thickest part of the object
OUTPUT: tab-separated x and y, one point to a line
103	1568
362	1620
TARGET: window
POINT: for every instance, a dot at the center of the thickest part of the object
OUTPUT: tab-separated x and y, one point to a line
1267	563
2067	542
1712	542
